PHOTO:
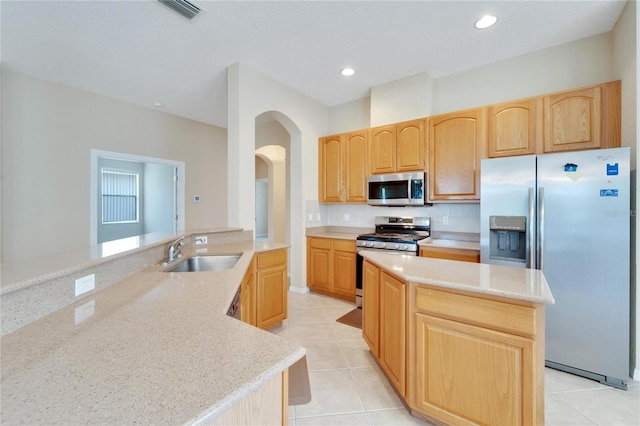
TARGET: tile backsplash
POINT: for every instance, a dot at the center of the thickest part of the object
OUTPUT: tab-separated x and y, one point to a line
444	217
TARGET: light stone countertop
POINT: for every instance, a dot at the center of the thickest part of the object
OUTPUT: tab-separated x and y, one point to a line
503	281
337	232
445	243
154	348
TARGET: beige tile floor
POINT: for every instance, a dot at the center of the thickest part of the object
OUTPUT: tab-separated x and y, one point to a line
348	388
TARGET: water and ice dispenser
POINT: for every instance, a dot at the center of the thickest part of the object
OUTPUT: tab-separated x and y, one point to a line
508	238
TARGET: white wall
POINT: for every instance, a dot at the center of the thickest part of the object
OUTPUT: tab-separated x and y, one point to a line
580	63
249	95
402	100
350	116
48	131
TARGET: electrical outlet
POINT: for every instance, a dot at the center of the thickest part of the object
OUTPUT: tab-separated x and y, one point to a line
310	217
445	220
85	311
85	284
346	217
202	239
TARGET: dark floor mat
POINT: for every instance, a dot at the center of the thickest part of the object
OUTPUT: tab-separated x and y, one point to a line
353	318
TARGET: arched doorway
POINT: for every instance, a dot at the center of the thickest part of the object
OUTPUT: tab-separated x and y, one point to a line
272	144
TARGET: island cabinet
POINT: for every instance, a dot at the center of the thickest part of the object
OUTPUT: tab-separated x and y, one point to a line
397	147
384	323
343	168
463	255
248	296
456	146
331	267
477	359
515	128
271	287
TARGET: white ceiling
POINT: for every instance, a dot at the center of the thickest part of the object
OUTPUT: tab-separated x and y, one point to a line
143	52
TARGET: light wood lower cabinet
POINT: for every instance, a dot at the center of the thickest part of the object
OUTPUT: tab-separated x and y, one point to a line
267	405
456	357
371	307
248	296
384	322
463	255
393	348
331	267
271	287
478	359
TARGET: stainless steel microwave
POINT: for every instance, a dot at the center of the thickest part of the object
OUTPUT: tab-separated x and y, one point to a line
396	189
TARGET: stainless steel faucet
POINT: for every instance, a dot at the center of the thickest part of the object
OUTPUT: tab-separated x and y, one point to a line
175	250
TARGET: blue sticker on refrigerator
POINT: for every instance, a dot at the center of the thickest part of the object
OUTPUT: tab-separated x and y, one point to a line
608	192
612	169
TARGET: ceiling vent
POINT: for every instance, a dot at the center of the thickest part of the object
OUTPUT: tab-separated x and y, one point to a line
183	7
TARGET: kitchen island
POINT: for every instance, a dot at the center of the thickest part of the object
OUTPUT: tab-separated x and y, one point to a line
460	342
152	348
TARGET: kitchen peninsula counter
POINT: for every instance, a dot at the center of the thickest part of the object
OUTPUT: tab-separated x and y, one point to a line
154	348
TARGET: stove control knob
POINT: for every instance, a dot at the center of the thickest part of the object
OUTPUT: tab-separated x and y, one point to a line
370	244
396	246
404	247
383	245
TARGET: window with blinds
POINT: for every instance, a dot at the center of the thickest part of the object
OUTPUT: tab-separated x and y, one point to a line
119	196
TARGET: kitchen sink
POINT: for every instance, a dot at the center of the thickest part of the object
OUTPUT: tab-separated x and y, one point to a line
205	263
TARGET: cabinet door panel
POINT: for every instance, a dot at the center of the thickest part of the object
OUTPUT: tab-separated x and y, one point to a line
272	295
330	169
515	128
479	372
383	149
320	268
410	146
572	120
455	143
393	330
356	167
370	307
344	277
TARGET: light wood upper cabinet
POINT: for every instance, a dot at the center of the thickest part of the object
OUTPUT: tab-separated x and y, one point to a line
573	119
272	287
456	143
397	147
342	168
330	168
356	169
585	118
383	149
515	128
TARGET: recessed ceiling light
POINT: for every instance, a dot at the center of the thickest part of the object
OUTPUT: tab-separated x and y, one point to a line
158	104
347	71
485	22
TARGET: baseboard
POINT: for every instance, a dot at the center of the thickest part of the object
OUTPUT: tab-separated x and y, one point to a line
300	290
636	374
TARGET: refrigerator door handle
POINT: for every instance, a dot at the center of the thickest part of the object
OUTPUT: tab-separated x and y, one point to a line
540	242
531	239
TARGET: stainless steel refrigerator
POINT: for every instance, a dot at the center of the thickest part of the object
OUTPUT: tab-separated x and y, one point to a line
568	214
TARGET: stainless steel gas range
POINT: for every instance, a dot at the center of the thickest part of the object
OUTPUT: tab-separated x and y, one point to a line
396	235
